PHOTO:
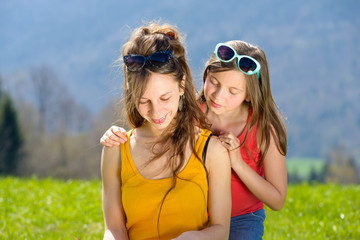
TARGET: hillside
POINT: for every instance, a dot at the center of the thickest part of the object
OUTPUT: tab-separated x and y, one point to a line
312	49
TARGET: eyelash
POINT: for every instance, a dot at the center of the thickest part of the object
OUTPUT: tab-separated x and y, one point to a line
213	82
164	100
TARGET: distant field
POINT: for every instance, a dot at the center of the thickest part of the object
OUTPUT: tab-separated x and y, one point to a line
303	166
324	211
55	209
50	209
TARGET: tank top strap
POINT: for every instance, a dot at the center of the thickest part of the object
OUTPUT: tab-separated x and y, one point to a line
201	143
128	168
127	165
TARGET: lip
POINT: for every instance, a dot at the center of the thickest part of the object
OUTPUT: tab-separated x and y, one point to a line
215	105
160	120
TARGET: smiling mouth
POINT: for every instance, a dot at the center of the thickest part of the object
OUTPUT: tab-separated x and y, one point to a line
160	120
215	105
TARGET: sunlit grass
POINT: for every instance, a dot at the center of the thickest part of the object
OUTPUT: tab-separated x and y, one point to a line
55	209
316	212
50	209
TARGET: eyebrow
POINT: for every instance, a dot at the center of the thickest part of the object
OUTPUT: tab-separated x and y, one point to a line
213	76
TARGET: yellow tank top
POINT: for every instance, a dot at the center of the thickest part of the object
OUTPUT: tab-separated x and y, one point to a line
184	208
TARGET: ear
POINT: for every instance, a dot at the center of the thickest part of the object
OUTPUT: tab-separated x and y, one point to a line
247	98
182	85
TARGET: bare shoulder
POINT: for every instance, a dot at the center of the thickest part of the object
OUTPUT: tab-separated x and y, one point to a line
215	146
217	154
111	151
110	159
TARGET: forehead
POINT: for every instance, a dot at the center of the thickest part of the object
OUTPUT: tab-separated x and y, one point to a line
232	78
159	84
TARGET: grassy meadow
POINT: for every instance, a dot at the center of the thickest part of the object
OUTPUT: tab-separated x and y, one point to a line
57	209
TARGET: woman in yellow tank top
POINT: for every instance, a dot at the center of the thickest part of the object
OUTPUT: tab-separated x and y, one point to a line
158	185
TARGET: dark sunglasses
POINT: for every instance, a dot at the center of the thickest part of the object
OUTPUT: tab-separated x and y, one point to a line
135	62
246	64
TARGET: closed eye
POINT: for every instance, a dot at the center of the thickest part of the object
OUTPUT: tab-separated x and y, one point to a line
165	99
214	82
144	102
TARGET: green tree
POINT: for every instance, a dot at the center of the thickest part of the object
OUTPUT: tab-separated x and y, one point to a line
341	167
294	177
10	136
314	176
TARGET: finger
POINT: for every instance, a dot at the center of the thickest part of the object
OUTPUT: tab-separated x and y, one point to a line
226	145
226	136
118	134
226	139
231	144
118	130
104	143
231	137
117	138
111	142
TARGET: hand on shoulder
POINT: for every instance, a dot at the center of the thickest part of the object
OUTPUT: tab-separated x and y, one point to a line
217	155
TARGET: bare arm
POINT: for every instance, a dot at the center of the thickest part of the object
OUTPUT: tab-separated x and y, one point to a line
113	137
271	189
114	215
219	203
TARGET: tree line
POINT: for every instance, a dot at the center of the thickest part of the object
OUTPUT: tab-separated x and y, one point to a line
339	167
46	132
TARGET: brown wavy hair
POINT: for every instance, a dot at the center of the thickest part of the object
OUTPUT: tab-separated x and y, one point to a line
145	41
265	111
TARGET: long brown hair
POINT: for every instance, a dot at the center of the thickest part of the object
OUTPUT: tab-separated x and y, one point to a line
146	40
180	133
265	111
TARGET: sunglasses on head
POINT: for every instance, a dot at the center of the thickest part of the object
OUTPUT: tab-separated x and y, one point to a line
246	64
135	62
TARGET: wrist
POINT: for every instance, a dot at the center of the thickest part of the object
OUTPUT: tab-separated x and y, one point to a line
236	160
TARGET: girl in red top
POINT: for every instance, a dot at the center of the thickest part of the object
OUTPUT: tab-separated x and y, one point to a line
237	100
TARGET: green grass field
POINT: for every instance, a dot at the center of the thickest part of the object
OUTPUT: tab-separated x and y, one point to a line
55	209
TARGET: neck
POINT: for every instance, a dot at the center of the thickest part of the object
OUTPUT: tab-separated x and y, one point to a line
150	132
230	117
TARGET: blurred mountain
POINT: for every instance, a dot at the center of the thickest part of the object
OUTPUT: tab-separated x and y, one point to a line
312	49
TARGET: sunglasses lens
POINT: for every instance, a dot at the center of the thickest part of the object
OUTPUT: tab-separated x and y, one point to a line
225	53
134	62
159	59
247	65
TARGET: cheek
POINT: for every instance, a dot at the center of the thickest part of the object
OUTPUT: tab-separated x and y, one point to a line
235	101
143	109
171	105
207	89
174	104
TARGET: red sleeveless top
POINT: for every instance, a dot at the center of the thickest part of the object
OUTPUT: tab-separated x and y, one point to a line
243	201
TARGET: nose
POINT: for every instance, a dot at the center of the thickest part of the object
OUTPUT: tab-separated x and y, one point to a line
155	109
219	93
